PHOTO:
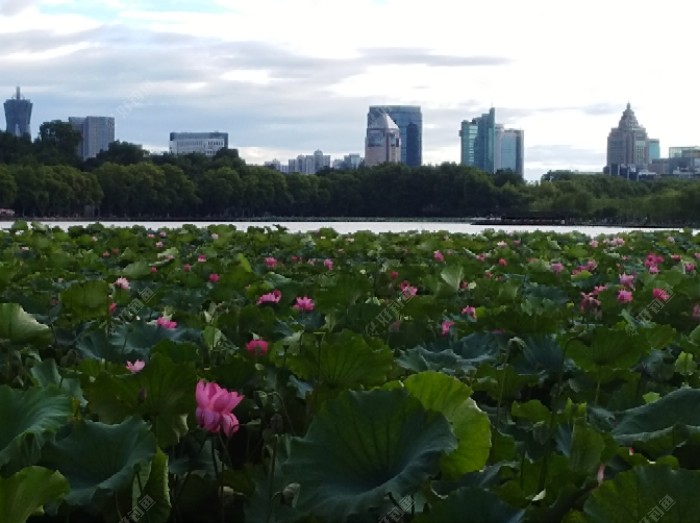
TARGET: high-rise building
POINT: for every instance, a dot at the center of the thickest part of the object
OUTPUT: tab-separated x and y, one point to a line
409	120
383	142
97	133
510	144
18	113
202	143
654	149
628	146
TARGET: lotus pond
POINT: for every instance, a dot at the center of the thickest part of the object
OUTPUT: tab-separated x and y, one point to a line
209	375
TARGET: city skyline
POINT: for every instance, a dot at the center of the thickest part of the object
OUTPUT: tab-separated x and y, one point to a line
236	66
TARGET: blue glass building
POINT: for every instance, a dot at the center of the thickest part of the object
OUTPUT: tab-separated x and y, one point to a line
18	113
409	120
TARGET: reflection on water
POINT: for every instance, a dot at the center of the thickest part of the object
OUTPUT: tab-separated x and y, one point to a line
376	227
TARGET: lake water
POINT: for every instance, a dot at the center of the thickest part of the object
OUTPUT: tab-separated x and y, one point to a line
376	227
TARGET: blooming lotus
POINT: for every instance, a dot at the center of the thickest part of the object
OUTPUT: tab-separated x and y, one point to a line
689	267
136	366
214	406
393	275
122	283
154	268
660	294
502	262
439	256
328	263
159	245
271	297
214	278
305	304
201	258
470	311
627	280
270	262
624	296
598	289
166	323
257	347
588	302
556	267
445	327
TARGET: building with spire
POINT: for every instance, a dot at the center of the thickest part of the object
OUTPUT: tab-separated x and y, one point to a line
383	142
18	113
628	146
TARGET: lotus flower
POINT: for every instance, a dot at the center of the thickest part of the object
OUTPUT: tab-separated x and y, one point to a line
445	327
166	323
556	267
438	256
660	294
187	267
328	263
627	280
257	347
214	406
136	366
624	296
305	304
201	258
270	262
122	283
270	297
214	278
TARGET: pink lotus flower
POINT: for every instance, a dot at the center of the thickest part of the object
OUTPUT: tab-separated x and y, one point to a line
150	235
689	267
187	267
438	256
136	366
328	264
257	347
112	308
600	476
653	269
588	302
696	311
660	294
593	243
653	259
676	257
214	278
305	304
166	323
105	254
481	257
671	239
407	289
295	259
201	258
697	255
556	267
627	280
470	311
154	268
122	283
598	289
591	265
214	406
624	296
271	297
502	262
501	244
445	327
393	275
163	234
270	262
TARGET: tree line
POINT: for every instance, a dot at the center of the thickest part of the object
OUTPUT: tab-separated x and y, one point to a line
46	178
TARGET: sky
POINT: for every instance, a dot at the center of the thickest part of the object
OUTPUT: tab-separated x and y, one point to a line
287	77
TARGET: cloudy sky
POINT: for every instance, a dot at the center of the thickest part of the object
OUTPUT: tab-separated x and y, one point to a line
285	77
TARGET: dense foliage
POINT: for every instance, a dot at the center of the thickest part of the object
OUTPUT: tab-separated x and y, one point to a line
45	178
220	375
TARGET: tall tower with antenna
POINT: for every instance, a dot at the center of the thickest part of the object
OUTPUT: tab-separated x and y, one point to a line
18	113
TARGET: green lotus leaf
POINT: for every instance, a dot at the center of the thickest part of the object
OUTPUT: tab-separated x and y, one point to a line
100	460
451	397
474	505
453	276
658	426
26	492
162	393
86	300
344	360
136	270
155	496
610	349
18	326
370	444
648	493
46	374
29	419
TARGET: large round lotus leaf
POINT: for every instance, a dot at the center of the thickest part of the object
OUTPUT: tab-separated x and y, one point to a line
18	326
99	459
471	425
654	426
86	300
25	493
28	418
646	493
163	393
362	446
471	504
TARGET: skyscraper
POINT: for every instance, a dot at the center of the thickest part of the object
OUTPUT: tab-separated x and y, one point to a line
409	120
628	145
478	142
97	133
18	113
383	142
510	144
